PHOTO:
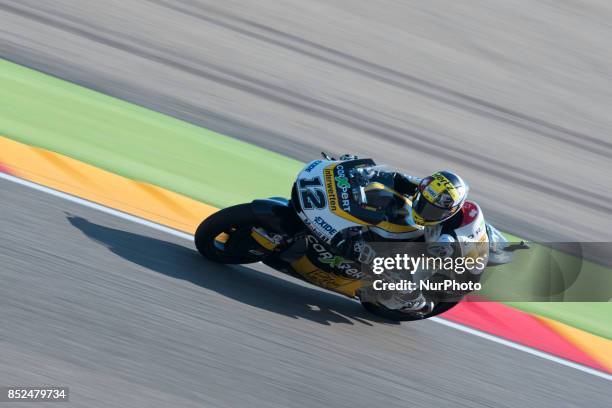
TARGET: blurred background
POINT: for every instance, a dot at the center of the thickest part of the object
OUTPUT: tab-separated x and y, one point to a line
513	95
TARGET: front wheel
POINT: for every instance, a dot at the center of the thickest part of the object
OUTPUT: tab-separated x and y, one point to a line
398	316
224	237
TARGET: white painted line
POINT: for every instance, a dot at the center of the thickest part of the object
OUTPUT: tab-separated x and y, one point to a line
520	347
95	206
189	237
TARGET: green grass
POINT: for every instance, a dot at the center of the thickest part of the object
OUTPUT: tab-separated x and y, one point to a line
138	143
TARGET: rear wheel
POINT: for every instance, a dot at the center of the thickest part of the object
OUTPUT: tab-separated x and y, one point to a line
225	236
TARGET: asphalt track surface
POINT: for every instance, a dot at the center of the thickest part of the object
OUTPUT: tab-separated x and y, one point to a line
126	315
514	95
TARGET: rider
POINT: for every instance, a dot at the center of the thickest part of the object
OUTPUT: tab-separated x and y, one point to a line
429	203
425	207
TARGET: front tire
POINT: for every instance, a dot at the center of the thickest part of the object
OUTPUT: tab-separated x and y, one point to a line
398	316
236	223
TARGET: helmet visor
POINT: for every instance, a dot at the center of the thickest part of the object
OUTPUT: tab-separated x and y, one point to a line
430	212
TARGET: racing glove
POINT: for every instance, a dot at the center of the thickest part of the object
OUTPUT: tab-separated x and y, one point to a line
351	244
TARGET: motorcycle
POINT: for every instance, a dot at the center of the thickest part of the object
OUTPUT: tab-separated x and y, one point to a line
328	196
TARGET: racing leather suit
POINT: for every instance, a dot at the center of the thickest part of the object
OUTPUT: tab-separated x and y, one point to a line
354	243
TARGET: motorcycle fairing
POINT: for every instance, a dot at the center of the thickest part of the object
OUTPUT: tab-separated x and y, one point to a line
323	278
329	198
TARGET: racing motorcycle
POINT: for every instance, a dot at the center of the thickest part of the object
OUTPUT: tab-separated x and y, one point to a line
329	196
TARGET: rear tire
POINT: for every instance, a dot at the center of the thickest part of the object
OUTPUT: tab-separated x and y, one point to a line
231	220
398	316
